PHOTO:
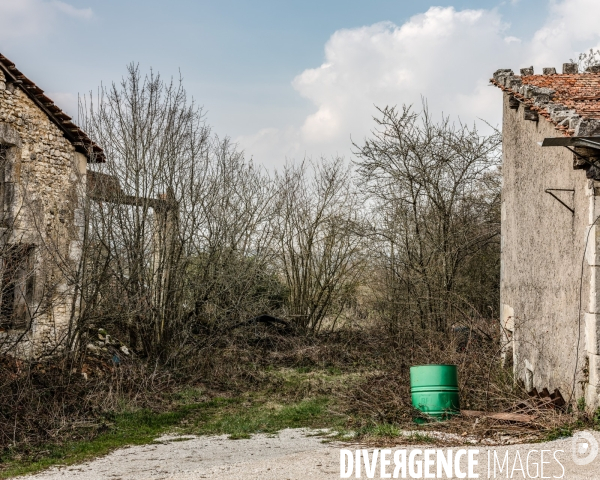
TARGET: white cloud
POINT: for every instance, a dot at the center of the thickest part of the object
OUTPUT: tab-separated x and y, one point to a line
512	40
85	13
443	54
27	18
572	26
272	146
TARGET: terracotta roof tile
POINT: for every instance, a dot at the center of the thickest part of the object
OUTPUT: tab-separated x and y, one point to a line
575	95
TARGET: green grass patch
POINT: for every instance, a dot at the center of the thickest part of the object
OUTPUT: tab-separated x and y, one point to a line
596	419
236	417
303	382
292	398
131	428
559	432
304	369
242	418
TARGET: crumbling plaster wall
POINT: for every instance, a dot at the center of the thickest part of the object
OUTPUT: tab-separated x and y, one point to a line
48	181
542	253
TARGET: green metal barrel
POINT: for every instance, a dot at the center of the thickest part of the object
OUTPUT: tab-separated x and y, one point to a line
434	390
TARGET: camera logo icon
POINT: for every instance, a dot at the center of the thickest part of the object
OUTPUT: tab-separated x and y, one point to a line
585	448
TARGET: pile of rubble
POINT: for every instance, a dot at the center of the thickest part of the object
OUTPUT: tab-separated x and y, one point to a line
105	348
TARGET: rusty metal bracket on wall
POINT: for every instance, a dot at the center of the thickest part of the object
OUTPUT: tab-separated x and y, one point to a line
550	190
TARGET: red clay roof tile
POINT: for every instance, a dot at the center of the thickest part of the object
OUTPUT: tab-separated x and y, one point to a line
579	92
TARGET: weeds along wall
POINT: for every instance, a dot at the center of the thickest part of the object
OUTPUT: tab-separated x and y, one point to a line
42	181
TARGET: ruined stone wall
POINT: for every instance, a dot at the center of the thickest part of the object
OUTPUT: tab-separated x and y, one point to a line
542	254
47	178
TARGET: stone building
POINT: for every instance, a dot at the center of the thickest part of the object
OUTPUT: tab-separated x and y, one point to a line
43	162
550	274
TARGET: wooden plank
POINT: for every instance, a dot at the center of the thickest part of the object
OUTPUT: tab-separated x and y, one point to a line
472	413
512	417
504	416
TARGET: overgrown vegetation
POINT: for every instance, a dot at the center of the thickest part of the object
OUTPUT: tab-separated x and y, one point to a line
359	271
236	417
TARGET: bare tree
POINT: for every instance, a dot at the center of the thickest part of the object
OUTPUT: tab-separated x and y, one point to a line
233	261
177	239
318	227
436	197
146	204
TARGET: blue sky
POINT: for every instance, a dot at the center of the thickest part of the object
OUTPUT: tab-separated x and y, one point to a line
288	79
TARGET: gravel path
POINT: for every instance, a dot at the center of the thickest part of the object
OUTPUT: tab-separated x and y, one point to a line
292	454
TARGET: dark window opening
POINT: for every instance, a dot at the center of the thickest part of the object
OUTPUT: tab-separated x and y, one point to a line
18	284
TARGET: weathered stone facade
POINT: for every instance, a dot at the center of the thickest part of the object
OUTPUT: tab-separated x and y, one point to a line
550	277
43	193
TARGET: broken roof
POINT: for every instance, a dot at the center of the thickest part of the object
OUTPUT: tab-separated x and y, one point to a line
571	100
71	131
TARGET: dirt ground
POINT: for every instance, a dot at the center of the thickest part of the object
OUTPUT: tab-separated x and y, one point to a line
292	454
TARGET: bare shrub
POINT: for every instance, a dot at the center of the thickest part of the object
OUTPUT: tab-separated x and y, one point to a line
177	240
587	59
436	191
318	227
51	401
